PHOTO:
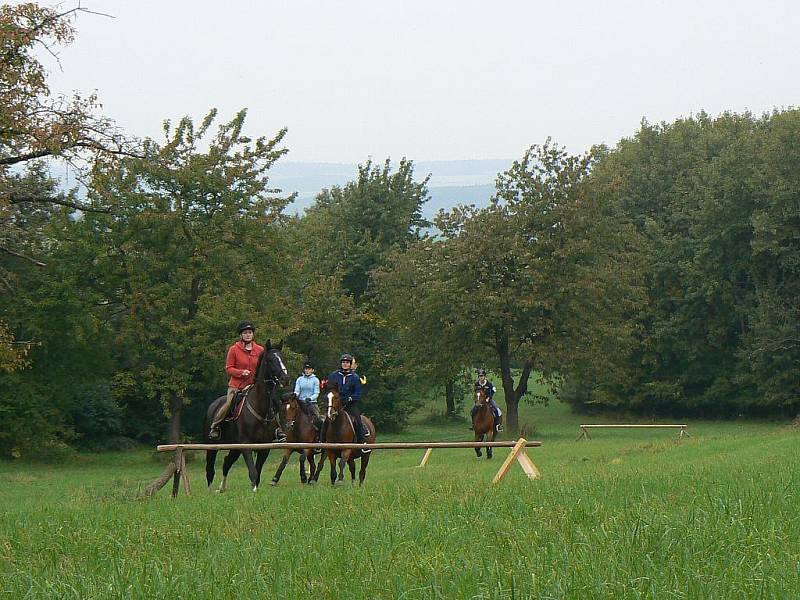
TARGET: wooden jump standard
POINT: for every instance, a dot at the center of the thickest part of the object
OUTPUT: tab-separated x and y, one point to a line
178	472
585	429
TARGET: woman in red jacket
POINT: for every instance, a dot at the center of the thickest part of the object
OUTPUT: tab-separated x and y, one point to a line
241	366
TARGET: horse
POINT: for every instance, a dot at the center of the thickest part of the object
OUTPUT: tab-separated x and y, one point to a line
483	422
257	420
299	428
340	430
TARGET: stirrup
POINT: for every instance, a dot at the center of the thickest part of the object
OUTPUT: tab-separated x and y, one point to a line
498	428
214	433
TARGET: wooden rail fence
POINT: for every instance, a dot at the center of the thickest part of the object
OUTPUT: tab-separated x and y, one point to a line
584	429
177	471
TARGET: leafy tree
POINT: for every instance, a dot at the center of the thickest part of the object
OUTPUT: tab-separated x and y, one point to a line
192	245
35	125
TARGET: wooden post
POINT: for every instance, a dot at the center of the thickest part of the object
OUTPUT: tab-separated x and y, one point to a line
176	479
187	486
583	434
527	465
426	457
518	447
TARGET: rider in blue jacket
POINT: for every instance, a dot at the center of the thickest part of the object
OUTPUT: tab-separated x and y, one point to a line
489	389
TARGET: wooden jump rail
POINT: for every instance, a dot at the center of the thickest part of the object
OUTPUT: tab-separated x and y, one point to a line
178	472
584	429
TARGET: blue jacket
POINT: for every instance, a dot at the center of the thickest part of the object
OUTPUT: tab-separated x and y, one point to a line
307	387
349	384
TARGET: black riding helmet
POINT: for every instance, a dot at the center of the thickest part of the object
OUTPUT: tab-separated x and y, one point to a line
481	371
307	365
345	357
247	325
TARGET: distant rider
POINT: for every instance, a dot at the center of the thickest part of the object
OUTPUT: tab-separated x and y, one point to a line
350	392
307	389
489	390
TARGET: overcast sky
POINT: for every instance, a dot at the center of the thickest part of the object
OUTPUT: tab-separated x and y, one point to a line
433	80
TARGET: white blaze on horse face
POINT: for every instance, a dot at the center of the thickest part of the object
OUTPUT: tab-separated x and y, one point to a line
283	367
330	402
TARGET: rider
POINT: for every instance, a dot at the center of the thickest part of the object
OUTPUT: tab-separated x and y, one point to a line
307	389
241	365
350	391
488	389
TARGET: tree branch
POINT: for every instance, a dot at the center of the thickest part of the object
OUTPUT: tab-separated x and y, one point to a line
22	256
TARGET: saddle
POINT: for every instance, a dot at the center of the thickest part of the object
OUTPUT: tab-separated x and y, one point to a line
238	404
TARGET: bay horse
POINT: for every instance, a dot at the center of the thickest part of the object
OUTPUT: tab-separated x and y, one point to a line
340	431
257	420
299	428
483	422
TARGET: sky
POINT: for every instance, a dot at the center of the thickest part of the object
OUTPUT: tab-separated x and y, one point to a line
433	79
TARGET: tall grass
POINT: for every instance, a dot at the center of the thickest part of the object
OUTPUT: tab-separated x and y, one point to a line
630	514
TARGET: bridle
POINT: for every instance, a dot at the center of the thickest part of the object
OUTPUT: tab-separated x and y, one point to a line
274	382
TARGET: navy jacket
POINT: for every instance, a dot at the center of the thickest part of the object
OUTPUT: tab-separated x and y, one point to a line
349	384
488	388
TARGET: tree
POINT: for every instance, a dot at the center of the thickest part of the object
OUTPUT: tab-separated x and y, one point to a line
192	242
540	278
35	125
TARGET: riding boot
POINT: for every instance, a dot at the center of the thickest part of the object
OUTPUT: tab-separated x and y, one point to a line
498	423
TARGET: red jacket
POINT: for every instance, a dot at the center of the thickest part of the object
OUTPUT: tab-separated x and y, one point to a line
240	359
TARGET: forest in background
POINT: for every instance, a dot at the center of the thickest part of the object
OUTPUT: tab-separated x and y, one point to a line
659	277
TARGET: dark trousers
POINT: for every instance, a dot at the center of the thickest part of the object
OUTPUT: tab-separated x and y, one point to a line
354	410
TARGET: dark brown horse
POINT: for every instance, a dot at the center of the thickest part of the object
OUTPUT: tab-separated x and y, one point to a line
483	422
340	431
257	421
299	428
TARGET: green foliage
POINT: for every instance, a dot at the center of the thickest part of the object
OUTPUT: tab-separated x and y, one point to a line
716	200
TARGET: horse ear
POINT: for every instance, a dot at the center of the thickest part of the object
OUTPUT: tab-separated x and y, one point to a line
279	345
269	344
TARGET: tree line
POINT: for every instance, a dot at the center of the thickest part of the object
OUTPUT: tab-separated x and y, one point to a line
659	276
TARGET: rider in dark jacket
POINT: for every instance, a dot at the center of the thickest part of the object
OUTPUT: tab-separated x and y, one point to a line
350	391
488	389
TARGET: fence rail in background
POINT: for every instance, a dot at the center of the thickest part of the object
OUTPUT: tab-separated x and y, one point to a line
178	472
584	429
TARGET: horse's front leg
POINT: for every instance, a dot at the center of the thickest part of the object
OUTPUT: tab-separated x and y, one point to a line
489	452
261	458
332	460
478	438
352	464
251	468
302	462
286	454
231	458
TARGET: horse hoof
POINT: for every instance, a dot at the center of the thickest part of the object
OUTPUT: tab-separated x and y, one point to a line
255	489
273	483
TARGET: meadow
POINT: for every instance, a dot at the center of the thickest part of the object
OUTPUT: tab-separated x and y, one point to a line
629	514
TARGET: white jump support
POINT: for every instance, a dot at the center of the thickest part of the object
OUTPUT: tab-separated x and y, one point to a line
517	452
584	429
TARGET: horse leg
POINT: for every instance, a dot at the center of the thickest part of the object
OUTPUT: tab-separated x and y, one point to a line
478	438
362	474
302	463
311	466
231	458
261	458
489	452
332	460
352	464
275	478
211	459
251	468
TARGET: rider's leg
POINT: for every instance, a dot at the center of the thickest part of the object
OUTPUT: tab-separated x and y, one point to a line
497	415
361	430
222	412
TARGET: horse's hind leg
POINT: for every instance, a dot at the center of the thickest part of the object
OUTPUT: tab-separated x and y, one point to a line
312	467
251	468
231	458
211	458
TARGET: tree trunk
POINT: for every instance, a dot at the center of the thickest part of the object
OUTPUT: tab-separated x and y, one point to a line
511	393
450	397
174	431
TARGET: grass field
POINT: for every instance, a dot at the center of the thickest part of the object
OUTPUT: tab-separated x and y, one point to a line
629	514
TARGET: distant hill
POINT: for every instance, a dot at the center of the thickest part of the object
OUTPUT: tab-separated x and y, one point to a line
452	181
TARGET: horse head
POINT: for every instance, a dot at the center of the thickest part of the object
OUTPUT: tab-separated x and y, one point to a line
291	410
480	397
275	369
334	399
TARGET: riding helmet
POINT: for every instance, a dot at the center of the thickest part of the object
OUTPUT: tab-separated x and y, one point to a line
346	356
307	365
481	371
246	325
